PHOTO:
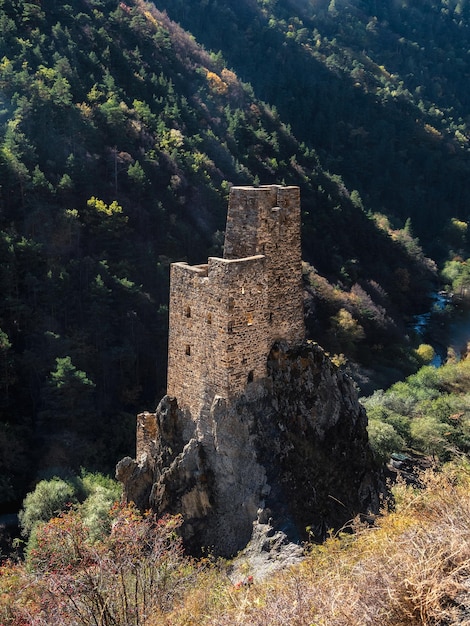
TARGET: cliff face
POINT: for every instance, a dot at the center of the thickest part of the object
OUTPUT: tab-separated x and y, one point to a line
291	449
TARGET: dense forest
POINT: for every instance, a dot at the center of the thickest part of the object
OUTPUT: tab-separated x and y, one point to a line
121	132
378	88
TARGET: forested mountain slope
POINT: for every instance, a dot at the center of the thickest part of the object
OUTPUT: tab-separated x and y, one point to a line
119	137
379	89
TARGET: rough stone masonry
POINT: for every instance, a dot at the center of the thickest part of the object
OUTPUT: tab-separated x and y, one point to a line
225	315
258	427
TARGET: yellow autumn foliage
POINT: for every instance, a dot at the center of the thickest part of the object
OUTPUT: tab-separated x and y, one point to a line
216	83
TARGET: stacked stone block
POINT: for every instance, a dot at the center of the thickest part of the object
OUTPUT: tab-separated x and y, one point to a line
226	314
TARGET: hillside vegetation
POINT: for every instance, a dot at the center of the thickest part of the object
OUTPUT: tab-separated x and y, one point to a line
119	138
429	412
409	569
88	561
377	88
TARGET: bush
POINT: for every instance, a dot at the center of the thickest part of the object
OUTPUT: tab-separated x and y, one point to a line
48	499
384	440
429	411
138	569
409	569
95	492
95	510
430	435
425	353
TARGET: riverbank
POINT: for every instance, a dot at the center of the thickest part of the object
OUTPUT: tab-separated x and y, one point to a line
446	327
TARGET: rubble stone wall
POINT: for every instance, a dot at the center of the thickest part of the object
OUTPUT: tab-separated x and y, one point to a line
226	314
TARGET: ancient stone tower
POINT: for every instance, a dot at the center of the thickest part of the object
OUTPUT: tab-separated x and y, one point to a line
220	448
226	314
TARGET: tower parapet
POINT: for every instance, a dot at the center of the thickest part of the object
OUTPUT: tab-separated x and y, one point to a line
226	314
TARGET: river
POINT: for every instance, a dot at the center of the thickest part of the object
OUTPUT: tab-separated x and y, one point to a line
445	326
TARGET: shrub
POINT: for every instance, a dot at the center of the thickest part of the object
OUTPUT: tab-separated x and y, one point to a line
48	499
135	571
430	435
425	353
101	493
429	411
408	569
384	440
95	492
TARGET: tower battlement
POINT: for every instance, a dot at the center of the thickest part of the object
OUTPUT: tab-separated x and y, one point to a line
226	314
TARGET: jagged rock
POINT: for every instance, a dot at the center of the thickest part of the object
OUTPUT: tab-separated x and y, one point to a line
294	443
268	550
137	478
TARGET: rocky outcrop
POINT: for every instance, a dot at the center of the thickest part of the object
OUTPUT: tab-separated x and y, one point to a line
268	551
294	444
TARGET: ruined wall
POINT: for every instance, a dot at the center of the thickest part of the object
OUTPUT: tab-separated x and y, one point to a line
146	435
225	315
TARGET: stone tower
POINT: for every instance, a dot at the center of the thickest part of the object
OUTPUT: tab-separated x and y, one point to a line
226	314
252	440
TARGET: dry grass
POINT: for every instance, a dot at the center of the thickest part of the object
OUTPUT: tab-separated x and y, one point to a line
409	570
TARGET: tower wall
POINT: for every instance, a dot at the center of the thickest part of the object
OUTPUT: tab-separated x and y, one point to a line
225	315
267	220
218	329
